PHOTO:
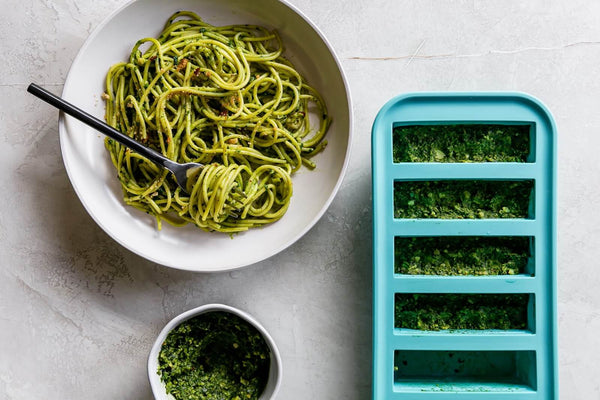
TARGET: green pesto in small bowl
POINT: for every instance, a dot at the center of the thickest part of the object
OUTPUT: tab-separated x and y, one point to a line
214	356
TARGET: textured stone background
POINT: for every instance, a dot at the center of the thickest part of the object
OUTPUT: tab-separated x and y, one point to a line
78	313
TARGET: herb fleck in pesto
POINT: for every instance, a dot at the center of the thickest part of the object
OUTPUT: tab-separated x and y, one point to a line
434	312
214	356
461	255
461	143
462	199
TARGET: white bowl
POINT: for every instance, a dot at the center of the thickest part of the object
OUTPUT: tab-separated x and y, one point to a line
158	387
94	178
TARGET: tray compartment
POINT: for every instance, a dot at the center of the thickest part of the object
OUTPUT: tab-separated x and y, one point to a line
464	199
460	143
464	255
464	371
464	311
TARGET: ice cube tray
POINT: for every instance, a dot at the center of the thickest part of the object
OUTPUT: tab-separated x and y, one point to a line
466	363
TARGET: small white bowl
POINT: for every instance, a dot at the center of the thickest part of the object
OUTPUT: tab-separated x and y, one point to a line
158	387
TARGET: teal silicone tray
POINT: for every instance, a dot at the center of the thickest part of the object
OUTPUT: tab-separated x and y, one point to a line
466	364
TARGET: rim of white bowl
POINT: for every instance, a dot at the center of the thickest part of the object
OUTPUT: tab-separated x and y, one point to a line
275	366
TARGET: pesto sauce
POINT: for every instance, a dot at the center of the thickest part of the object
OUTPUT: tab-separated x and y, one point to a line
214	356
461	143
462	199
434	312
460	255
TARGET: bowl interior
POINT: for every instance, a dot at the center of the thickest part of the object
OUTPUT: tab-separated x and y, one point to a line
158	387
190	248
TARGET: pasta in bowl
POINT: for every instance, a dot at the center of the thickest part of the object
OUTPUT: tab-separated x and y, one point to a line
260	129
221	96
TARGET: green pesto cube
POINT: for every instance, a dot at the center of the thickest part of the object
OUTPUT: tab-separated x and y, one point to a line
461	255
438	311
462	199
461	143
214	356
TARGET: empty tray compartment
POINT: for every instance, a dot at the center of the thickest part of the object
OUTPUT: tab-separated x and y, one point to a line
464	371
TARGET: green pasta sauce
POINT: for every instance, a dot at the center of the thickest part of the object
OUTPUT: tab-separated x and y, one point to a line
214	356
434	312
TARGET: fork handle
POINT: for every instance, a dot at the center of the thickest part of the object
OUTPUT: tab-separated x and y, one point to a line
99	125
